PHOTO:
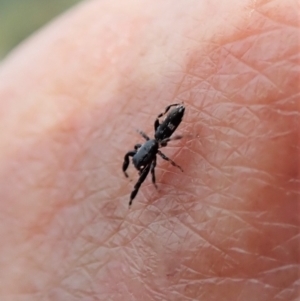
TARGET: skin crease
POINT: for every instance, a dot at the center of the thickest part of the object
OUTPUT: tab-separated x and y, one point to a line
71	99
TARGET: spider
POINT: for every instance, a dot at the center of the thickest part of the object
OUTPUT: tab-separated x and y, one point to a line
144	155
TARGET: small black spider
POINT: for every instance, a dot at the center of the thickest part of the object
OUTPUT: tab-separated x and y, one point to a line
144	155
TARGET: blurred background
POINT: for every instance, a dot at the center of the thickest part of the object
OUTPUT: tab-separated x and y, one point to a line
20	18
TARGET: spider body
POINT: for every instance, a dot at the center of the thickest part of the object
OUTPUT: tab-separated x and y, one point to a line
144	155
171	122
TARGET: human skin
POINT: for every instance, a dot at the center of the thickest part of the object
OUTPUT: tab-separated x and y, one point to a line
71	99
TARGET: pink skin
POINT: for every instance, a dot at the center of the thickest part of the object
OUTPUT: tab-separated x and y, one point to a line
71	99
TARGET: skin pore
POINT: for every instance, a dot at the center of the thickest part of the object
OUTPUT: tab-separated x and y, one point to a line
71	99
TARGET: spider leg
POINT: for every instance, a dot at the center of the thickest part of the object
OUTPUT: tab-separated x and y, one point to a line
143	135
167	109
165	141
168	159
153	164
156	123
126	161
139	183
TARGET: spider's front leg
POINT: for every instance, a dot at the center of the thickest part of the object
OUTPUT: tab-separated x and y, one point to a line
143	135
138	184
126	161
126	158
153	165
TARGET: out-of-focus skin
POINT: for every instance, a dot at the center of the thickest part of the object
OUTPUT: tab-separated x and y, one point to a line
71	99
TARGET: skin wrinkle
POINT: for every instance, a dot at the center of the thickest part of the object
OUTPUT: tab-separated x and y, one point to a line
197	251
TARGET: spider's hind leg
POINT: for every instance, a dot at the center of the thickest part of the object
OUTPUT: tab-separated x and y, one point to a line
156	123
168	159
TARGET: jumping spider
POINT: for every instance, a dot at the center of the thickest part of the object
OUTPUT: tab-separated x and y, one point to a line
144	155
